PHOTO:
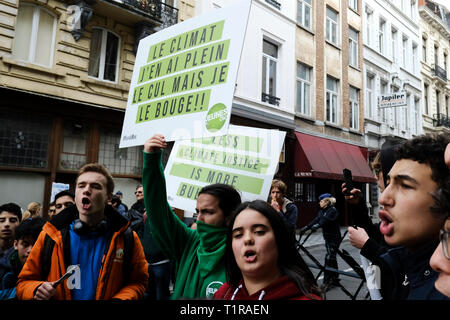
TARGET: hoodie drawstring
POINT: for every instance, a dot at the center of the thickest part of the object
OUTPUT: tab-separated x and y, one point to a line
261	295
236	291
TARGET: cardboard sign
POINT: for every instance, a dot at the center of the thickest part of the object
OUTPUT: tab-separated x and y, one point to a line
246	158
184	78
393	100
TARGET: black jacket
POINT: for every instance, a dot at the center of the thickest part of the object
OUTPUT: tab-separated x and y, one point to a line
407	275
327	219
136	217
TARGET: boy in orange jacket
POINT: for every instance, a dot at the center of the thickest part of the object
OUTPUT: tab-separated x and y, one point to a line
90	239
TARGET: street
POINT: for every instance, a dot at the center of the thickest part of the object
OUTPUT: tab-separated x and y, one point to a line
351	284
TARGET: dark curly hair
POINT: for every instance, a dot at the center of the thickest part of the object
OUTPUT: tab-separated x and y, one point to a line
429	149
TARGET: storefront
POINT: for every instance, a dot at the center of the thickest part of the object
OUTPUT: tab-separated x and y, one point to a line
318	169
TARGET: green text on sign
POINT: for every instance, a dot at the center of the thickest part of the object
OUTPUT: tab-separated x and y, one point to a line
238	142
224	159
193	58
174	106
187	40
210	176
188	191
191	80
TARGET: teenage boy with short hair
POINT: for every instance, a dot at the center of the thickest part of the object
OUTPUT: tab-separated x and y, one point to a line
410	218
91	239
10	217
63	199
11	264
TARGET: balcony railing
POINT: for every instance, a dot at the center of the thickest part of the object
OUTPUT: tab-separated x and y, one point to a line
441	119
270	99
440	72
162	12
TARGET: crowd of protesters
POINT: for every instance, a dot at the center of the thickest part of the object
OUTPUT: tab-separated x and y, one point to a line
91	246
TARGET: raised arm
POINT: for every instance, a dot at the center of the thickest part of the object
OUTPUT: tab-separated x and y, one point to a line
171	234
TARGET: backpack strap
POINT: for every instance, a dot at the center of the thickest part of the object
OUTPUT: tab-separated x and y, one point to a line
46	256
128	244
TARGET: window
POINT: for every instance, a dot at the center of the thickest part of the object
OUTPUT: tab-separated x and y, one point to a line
332	100
416	115
438	105
269	72
405	113
414	58
332	26
104	55
425	97
381	32
447	105
75	136
298	192
436	56
118	161
303	89
413	9
394	111
405	51
35	35
304	13
369	18
369	95
445	62
354	108
384	90
353	50
424	49
353	4
393	42
24	139
305	192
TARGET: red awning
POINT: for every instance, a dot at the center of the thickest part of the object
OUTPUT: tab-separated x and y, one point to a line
317	157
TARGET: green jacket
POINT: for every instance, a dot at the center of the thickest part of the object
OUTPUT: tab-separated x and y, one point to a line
198	255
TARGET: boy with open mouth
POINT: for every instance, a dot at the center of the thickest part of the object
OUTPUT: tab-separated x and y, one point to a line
411	217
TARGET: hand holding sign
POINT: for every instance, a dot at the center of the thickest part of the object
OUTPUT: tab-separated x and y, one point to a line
155	143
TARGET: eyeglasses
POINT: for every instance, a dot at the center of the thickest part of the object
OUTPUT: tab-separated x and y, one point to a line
65	204
443	235
138	192
52	210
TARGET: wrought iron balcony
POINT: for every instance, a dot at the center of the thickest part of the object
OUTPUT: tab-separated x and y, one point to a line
270	99
162	12
440	72
441	119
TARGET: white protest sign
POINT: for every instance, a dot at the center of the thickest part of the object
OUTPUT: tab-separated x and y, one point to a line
184	78
57	187
246	158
